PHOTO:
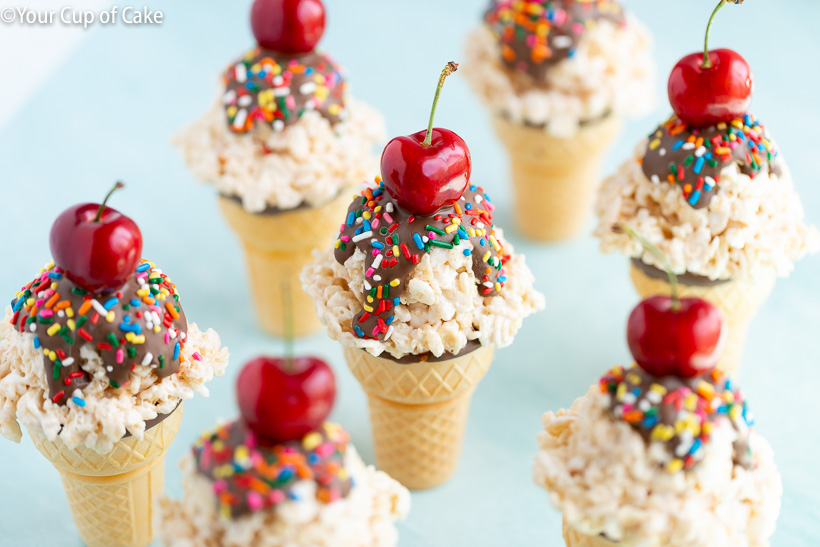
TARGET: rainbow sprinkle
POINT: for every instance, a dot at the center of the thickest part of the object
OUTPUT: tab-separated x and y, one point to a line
249	475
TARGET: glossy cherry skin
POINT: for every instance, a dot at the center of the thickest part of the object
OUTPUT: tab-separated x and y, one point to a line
98	256
684	342
703	97
288	26
423	179
283	404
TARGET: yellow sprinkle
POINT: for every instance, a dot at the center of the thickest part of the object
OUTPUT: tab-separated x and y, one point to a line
395	283
691	402
396	250
658	389
338	243
54	286
497	286
451	228
110	317
369	299
157	328
71	324
471	232
619	394
143	292
662	432
654	144
366	215
368	308
311	440
241	453
633	378
52	330
69	313
139	339
486	256
674	466
52	355
377	209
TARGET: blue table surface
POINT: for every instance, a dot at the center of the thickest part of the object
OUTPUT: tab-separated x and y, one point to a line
108	112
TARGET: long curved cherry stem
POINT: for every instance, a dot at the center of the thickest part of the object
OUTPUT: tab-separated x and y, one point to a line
707	62
101	210
449	69
673	279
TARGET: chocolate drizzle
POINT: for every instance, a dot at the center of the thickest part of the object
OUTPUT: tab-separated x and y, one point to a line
394	241
686	278
274	88
250	475
141	324
679	412
535	35
695	158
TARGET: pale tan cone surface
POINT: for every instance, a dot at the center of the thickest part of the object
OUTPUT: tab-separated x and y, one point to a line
739	301
112	496
574	538
418	412
554	179
277	247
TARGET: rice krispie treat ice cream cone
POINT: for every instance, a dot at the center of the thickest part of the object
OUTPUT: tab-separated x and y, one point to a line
711	189
280	475
96	357
283	145
558	77
420	289
662	453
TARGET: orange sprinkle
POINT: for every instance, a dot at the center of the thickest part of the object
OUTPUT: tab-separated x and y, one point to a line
53	300
172	310
62	305
633	416
85	307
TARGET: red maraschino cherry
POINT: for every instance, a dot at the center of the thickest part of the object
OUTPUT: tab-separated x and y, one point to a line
711	87
288	26
96	246
671	336
430	169
284	399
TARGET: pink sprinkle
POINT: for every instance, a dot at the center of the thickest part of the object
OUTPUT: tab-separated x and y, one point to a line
255	501
46	313
277	496
167	338
388	218
489	206
40	303
345	238
369	272
219	485
375	252
342	228
375	223
431	235
120	355
197	356
326	449
376	330
578	28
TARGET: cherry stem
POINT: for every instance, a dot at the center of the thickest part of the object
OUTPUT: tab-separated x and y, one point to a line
287	304
449	69
117	186
707	62
673	279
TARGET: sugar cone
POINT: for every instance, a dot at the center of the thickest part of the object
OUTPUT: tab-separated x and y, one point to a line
418	412
277	247
574	538
554	179
738	299
112	496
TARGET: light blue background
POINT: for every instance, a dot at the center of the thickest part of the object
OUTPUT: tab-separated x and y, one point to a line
109	111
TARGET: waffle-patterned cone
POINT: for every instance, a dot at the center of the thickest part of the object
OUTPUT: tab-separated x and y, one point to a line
574	538
418	412
554	179
739	301
112	496
277	247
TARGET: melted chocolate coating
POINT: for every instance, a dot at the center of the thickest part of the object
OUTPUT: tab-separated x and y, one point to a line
274	88
694	158
127	328
251	475
536	35
393	241
693	280
679	412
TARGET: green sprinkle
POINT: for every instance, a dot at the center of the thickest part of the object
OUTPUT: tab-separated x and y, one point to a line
383	231
456	239
427	247
342	246
161	361
689	160
68	340
132	352
155	280
113	340
56	371
673	168
386	292
45	320
114	384
373	292
435	230
442	244
78	291
82	321
62	331
31	320
126	307
713	163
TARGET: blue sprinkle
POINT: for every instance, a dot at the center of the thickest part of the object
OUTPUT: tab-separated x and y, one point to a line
55	275
389	319
462	233
650	421
747	120
110	303
36	342
693	199
377	193
472	188
487	198
359	331
313	458
699	165
696	444
18	305
359	230
502	279
708	155
418	241
292	495
77	401
351	218
176	352
468	206
366	225
285	475
467	252
677	146
143	267
131	327
396	301
481	241
571	53
377	244
135	303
